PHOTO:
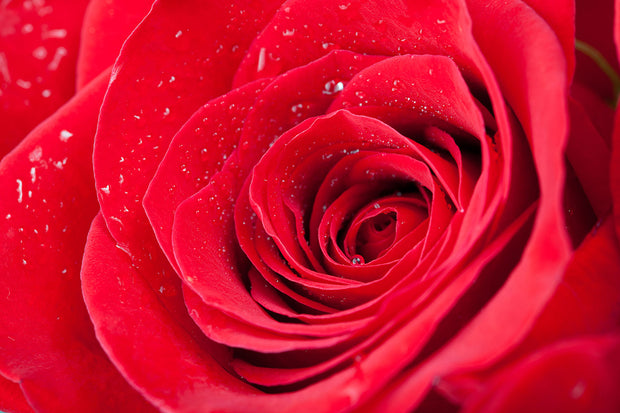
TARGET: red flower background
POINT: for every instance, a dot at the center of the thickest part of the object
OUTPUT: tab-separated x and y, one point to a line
309	206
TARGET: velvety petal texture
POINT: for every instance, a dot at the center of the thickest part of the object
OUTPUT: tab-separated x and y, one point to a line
302	208
39	43
317	206
104	30
572	376
47	205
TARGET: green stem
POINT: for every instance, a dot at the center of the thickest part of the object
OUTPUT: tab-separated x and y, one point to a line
602	63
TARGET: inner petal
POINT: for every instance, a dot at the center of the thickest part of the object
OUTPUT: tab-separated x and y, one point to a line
376	228
376	233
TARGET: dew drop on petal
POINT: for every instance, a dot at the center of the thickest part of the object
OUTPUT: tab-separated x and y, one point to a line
24	84
331	87
54	34
40	53
58	55
262	56
578	390
20	194
36	154
65	135
357	260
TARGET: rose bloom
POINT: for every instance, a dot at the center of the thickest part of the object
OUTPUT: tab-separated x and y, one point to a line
322	206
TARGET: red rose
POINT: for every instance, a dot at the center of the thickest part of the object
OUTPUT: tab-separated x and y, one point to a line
317	206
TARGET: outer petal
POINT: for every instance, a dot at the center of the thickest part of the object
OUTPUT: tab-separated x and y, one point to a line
595	27
579	375
46	203
588	299
560	15
107	23
188	58
587	302
158	356
12	398
533	95
615	156
38	50
196	154
190	62
592	165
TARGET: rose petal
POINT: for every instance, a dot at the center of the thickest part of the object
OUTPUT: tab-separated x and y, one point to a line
146	344
107	23
424	84
197	152
588	299
560	15
586	302
12	398
47	202
537	275
259	334
615	153
595	26
579	375
301	32
38	50
133	133
188	57
592	165
171	369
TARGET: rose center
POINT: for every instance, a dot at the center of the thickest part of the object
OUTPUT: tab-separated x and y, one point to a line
376	228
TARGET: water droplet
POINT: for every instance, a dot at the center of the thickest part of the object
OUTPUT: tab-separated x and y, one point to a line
262	56
54	34
288	33
105	189
36	154
178	34
122	247
24	84
331	87
578	390
58	55
20	194
204	154
357	260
